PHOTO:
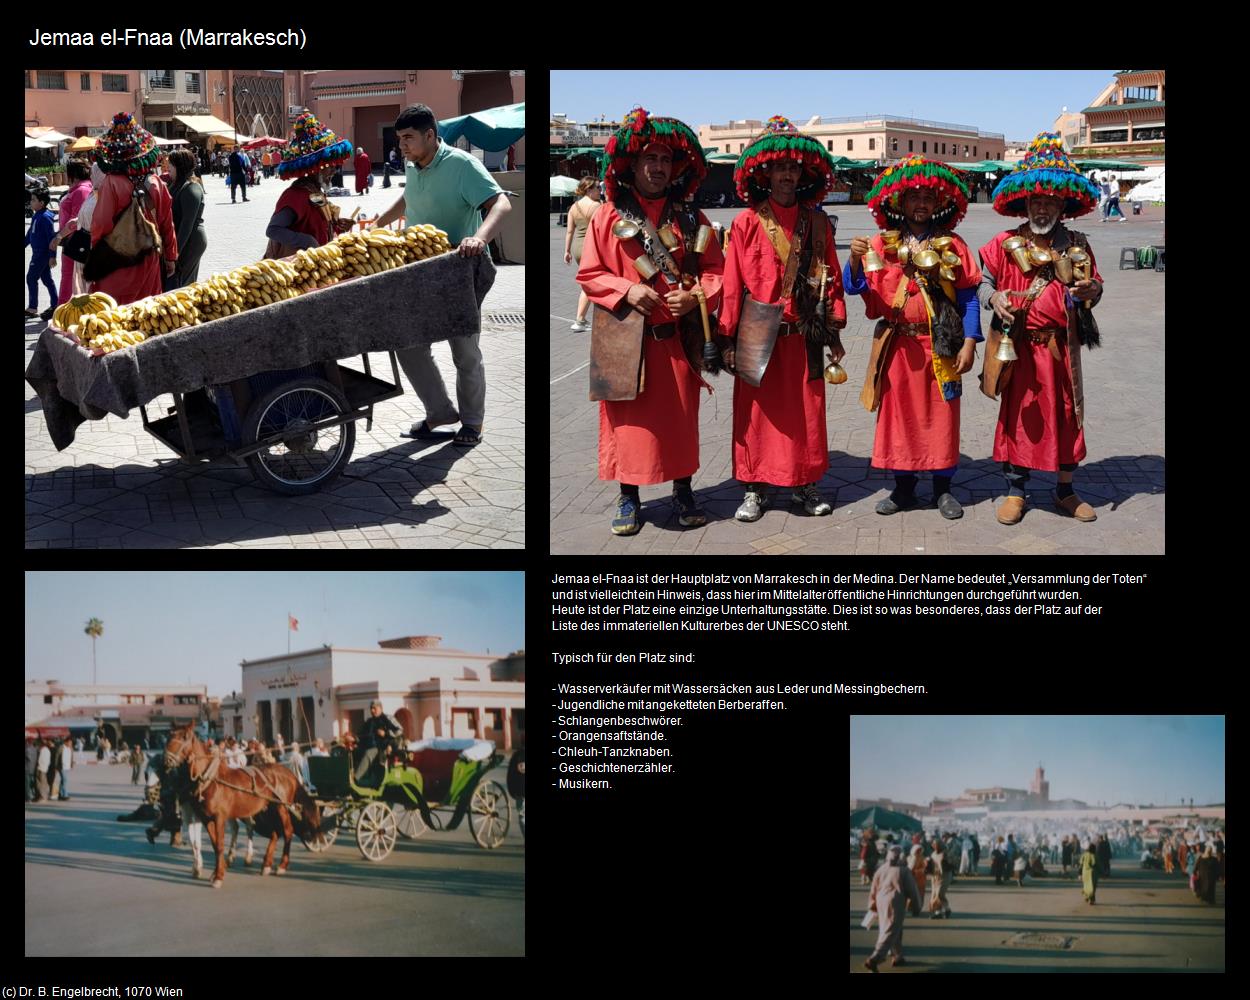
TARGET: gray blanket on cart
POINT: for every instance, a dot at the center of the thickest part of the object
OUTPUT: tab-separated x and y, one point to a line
421	303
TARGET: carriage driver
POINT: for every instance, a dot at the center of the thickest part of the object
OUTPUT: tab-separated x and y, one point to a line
376	734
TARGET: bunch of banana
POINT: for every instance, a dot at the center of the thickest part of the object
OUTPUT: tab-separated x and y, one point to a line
95	325
266	282
160	314
318	267
217	296
356	259
71	312
425	241
115	340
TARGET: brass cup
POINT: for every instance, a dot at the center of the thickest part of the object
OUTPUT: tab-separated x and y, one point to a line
941	243
927	260
890	238
669	238
623	229
951	260
1080	263
946	273
1039	257
873	261
645	267
904	254
835	374
1017	246
701	239
1063	269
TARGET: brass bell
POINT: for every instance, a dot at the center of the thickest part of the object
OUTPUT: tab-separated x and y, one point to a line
873	261
1017	246
1006	349
835	374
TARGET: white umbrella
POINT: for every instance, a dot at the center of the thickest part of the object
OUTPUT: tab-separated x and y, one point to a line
563	187
53	136
38	144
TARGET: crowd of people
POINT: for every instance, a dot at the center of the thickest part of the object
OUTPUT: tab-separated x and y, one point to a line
897	867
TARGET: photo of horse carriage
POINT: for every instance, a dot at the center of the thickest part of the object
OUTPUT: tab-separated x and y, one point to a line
418	787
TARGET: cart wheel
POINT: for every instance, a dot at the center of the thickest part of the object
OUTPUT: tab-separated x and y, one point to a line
299	460
376	831
489	814
410	823
326	835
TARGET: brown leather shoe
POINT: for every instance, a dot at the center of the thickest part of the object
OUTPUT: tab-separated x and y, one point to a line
1011	510
1074	506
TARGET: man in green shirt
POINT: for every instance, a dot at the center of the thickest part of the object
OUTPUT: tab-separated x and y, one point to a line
450	189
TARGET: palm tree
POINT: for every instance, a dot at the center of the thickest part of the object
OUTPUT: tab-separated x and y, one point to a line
95	629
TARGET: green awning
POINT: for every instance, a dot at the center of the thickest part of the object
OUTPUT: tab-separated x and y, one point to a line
572	151
493	130
1107	165
723	158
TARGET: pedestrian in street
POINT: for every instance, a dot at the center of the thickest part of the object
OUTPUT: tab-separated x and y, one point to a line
42	765
943	871
1191	868
1042	413
63	769
137	758
1104	856
892	888
976	854
453	191
784	315
187	194
1208	874
54	772
868	856
1182	854
39	236
1020	866
363	169
238	174
927	330
579	216
79	173
32	764
918	864
965	861
1089	873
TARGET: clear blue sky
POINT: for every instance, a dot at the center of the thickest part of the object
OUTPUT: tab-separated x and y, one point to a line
174	626
1017	103
1104	758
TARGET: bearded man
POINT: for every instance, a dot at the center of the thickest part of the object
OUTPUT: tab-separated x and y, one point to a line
1041	281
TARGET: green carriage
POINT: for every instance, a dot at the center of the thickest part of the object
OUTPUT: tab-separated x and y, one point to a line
431	779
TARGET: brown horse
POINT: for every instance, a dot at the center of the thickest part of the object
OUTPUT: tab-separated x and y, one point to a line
270	793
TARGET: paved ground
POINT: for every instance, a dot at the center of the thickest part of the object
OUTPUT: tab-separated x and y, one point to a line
1123	476
118	487
439	895
1141	921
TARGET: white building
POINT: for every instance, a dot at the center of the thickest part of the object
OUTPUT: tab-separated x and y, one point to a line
120	711
428	690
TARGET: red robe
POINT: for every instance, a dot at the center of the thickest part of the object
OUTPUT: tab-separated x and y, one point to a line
309	218
362	171
1036	417
779	427
916	428
655	437
130	284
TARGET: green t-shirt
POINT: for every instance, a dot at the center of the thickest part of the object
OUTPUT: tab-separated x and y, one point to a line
448	193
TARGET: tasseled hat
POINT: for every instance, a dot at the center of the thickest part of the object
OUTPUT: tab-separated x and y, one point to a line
126	148
780	140
313	148
885	200
638	131
1046	169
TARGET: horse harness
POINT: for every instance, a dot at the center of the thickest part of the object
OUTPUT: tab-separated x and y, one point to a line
261	783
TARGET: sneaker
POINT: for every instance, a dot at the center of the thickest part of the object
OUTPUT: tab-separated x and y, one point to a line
579	326
753	503
688	513
627	520
809	497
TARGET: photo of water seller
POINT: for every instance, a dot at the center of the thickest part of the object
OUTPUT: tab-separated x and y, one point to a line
926	349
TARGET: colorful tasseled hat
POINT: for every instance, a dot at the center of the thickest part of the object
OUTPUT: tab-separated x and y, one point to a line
781	140
1046	169
126	148
885	200
638	131
313	148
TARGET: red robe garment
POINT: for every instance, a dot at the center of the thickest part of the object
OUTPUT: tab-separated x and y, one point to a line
916	428
655	437
779	427
362	171
309	218
130	284
1036	417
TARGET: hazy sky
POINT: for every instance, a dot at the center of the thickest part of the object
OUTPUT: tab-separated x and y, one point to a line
1018	104
1105	758
175	626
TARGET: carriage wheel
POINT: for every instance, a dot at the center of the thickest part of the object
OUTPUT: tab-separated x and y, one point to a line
302	460
489	814
325	836
411	825
376	831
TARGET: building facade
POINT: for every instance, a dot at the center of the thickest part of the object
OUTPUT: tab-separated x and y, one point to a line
427	690
120	712
80	101
1126	121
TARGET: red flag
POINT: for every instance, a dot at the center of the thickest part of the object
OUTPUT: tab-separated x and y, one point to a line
293	622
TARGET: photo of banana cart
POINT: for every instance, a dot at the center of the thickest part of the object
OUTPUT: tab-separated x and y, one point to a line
430	780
